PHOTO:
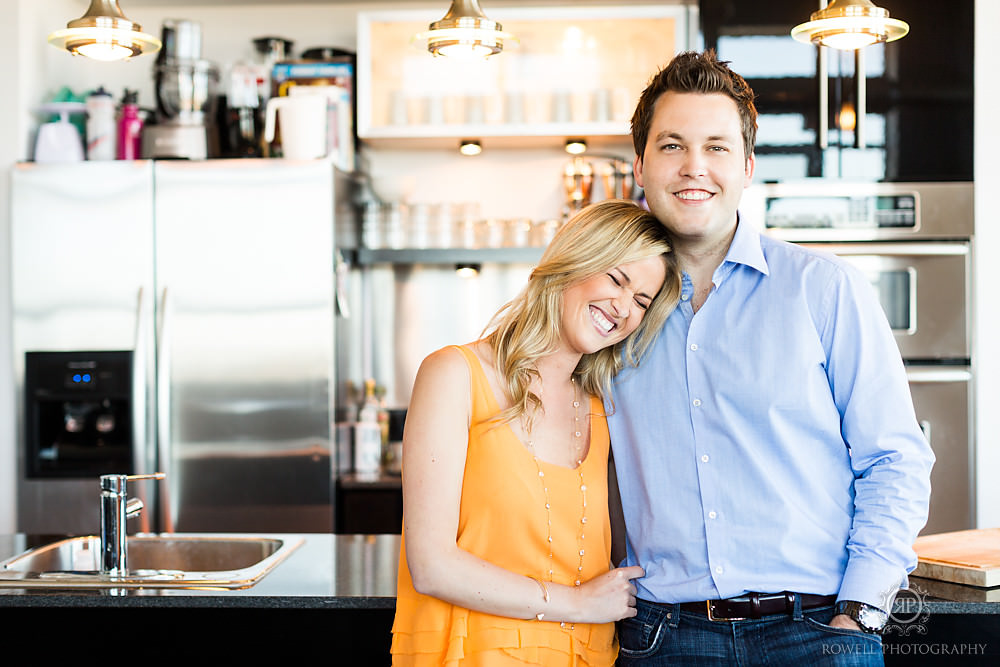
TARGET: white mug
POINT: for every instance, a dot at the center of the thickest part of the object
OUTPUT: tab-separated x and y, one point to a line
303	125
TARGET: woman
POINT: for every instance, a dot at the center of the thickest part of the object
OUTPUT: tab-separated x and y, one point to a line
506	540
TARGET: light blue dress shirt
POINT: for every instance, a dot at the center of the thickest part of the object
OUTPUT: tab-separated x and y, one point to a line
768	442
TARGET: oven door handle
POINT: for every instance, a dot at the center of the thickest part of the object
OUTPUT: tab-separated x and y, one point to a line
929	374
893	249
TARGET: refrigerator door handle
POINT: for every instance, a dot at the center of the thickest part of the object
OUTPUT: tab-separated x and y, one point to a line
140	404
165	458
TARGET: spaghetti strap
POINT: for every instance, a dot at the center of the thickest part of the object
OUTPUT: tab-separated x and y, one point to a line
484	401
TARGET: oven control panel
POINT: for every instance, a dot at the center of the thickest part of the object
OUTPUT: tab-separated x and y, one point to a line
895	211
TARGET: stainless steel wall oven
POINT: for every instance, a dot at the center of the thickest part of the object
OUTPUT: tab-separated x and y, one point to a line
915	243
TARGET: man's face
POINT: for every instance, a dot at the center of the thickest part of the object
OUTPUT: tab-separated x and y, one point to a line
693	169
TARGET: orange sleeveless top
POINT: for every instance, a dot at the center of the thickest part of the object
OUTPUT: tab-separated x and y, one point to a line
502	519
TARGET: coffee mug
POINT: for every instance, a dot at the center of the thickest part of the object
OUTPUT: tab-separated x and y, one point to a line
303	125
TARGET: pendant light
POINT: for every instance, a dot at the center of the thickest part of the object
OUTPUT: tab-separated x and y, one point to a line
465	31
850	24
104	33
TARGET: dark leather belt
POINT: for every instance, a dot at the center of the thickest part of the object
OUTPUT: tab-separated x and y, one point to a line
753	605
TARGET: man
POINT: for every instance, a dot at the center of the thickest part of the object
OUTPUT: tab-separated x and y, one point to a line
772	473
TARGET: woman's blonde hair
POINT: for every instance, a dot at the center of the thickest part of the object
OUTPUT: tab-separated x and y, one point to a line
597	239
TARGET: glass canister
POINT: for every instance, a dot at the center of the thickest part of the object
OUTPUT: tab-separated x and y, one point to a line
371	225
468	226
418	231
394	222
518	233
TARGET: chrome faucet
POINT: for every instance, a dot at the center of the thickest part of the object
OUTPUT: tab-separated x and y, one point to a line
116	507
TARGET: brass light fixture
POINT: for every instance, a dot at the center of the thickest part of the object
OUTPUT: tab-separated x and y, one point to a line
104	33
465	31
850	24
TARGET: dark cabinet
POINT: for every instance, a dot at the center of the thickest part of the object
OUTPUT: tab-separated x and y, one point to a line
369	506
917	93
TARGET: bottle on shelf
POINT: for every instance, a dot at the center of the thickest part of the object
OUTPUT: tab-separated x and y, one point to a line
368	435
129	127
383	421
100	125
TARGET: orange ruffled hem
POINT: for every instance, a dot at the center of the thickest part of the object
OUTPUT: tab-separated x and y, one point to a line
439	634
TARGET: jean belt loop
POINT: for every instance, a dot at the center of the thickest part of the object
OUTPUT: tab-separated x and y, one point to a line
674	617
796	606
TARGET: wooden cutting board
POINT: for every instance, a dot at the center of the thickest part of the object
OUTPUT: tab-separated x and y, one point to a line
964	557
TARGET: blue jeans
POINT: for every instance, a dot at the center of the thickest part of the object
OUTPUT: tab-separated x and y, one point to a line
665	635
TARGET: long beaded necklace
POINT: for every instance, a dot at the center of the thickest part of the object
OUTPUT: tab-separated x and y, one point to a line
578	448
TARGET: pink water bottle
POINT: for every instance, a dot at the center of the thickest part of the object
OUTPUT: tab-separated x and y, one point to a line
129	127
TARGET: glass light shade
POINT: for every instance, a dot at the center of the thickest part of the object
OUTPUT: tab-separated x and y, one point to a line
463	42
850	24
465	32
103	33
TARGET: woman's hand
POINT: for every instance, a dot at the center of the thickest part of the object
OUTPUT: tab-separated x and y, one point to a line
610	596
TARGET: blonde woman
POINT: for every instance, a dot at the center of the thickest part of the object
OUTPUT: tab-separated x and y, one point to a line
506	540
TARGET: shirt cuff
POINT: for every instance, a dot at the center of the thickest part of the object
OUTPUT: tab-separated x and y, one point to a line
871	583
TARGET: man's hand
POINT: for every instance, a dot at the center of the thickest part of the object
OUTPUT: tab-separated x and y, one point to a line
844	621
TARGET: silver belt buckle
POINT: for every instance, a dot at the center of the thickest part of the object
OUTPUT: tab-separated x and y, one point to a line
711	617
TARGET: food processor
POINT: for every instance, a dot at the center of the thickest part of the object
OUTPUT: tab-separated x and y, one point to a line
185	86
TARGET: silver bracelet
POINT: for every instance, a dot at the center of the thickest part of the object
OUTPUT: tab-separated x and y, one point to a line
545	594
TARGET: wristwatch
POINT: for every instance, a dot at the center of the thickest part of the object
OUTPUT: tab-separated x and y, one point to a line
871	619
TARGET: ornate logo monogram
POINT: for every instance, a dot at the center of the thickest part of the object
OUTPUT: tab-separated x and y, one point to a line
909	613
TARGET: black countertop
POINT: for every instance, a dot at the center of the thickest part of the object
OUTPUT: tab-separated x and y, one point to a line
335	596
359	572
327	571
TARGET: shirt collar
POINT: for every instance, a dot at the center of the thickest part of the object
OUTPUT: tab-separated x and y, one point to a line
745	248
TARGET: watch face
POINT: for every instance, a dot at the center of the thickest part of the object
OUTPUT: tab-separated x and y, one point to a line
871	617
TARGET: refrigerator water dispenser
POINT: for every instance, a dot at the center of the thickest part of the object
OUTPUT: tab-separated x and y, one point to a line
78	421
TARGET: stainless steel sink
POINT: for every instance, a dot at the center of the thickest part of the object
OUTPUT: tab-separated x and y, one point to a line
154	561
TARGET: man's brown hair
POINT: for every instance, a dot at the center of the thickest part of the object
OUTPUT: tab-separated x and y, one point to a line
693	72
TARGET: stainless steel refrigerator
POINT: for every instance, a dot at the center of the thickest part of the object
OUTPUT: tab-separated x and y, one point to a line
188	308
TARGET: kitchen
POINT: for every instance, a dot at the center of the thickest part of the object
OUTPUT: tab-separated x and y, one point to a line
401	173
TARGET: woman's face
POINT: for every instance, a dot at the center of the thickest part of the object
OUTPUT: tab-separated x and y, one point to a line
605	308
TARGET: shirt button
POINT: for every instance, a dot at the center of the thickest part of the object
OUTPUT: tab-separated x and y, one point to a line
718	569
694	346
684	297
711	515
696	402
704	458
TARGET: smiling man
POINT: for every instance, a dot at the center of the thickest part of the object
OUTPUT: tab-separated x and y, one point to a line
772	472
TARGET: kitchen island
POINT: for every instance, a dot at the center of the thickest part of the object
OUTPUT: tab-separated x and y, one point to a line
334	597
